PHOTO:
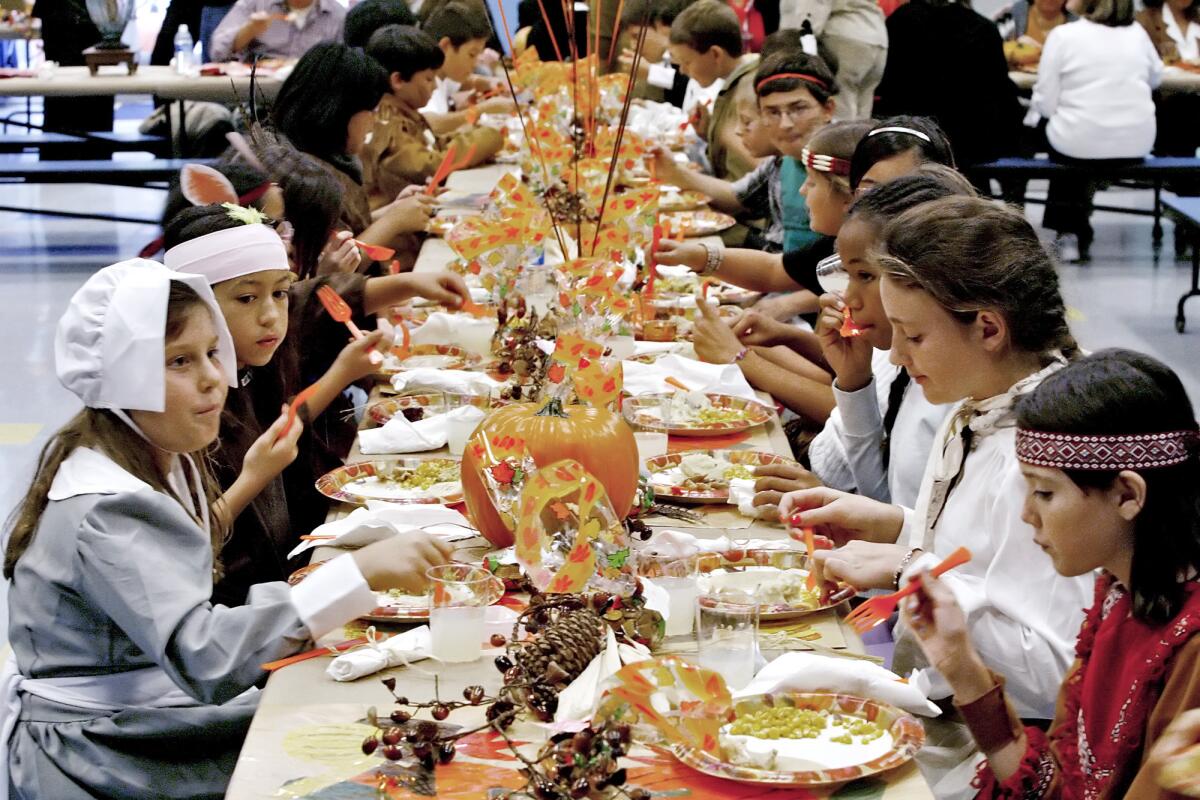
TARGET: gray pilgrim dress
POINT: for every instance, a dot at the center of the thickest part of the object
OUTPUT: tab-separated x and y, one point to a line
118	578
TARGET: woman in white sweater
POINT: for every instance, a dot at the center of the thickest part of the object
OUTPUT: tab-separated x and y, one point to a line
1095	89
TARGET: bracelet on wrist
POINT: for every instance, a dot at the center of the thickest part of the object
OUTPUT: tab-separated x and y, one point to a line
713	256
740	355
904	562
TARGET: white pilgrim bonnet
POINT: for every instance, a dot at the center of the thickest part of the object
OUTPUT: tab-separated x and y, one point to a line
230	253
108	349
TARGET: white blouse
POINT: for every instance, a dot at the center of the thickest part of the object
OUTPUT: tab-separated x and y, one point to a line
1095	85
912	435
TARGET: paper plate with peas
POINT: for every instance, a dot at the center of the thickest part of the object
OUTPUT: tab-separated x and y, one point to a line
402	480
807	739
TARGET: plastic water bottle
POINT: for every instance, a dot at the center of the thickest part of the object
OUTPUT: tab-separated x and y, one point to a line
184	57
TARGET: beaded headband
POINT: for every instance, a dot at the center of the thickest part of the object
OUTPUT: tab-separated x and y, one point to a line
799	76
898	129
1095	452
824	163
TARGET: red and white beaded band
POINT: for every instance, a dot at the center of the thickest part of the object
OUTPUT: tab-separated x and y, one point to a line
1103	452
824	163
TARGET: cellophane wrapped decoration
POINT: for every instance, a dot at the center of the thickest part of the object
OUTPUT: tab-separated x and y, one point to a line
669	700
568	537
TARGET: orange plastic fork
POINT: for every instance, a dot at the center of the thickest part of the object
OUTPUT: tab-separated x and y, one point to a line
338	309
878	609
298	401
442	171
406	341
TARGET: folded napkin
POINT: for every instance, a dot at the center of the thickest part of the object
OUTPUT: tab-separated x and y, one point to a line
741	494
444	380
381	519
579	700
401	436
697	375
403	648
808	672
462	330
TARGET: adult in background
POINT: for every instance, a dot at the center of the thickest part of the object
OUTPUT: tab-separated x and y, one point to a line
276	28
947	62
67	31
853	39
1032	22
1174	27
1095	90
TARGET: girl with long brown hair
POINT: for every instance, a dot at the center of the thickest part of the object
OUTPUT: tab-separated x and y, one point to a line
977	320
126	681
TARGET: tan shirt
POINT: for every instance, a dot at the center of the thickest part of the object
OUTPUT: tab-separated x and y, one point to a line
402	150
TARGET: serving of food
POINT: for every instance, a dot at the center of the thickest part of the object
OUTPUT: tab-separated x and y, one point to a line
672	198
808	739
699	222
406	480
429	356
703	476
695	413
782	593
416	407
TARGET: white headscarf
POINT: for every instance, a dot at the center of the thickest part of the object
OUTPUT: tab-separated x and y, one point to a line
231	253
109	346
108	350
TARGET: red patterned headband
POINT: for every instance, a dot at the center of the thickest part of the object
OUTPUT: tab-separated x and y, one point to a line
1094	452
824	163
798	76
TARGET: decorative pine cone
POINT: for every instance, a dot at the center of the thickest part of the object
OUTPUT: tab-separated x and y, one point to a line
563	646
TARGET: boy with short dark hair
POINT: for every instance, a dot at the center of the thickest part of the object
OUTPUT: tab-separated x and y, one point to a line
706	43
403	149
461	30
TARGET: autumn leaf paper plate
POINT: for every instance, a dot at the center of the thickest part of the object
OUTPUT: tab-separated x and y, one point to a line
405	480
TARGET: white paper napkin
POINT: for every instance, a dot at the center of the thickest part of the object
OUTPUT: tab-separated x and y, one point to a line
403	648
741	494
444	380
381	519
697	375
401	436
457	329
808	672
579	700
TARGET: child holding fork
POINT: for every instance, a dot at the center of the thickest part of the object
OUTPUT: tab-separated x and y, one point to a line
126	680
1110	455
978	332
402	149
269	500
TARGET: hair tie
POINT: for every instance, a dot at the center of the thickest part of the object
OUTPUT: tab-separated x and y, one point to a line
824	163
898	129
1116	452
799	76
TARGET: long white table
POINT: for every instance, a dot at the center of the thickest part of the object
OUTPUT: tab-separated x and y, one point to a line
303	739
156	80
1174	80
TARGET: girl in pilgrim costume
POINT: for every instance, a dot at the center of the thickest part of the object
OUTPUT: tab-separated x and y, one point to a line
1111	458
977	320
268	500
126	681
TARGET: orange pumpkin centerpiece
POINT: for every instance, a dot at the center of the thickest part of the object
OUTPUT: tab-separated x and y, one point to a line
595	437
